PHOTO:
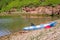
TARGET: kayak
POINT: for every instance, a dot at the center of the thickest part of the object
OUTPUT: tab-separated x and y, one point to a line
48	25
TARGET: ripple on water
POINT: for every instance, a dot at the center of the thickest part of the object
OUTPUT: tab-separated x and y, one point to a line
4	32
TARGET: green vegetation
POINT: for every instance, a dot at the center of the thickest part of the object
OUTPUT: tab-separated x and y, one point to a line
8	4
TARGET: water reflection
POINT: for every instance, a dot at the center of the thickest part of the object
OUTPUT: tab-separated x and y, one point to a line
6	20
41	20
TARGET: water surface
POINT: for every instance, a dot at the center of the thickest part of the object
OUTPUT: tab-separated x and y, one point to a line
9	25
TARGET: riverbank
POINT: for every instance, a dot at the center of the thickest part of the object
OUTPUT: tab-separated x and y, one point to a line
43	34
26	15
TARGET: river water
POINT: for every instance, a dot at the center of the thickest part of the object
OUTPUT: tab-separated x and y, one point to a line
9	25
3	26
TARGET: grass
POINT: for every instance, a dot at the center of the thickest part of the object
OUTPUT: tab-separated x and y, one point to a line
9	4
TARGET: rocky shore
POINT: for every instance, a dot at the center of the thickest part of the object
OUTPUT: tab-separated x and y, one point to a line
42	10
